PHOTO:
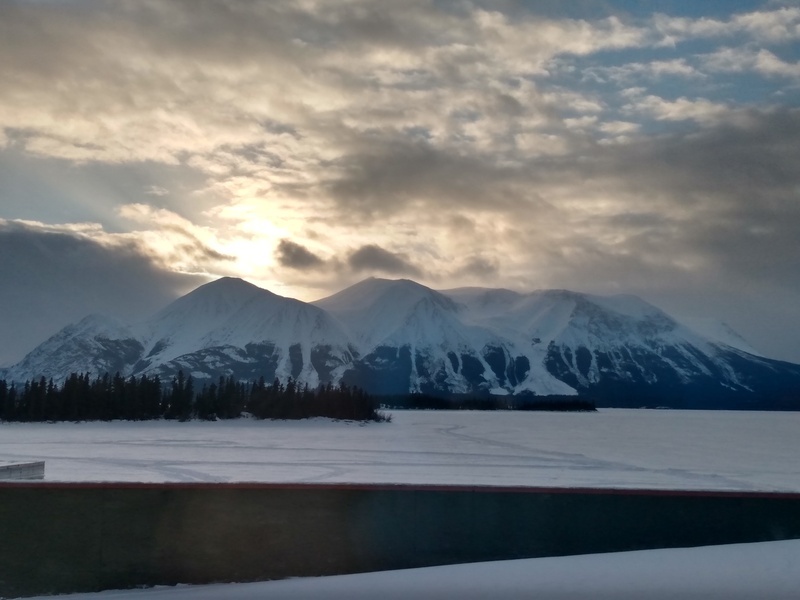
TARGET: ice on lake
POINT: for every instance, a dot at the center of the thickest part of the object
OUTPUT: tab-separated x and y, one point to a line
659	449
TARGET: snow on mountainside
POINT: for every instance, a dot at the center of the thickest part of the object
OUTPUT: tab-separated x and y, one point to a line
720	332
396	336
542	322
414	338
224	327
230	319
182	326
619	348
379	311
96	344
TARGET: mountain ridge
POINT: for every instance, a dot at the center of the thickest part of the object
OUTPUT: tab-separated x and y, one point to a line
398	337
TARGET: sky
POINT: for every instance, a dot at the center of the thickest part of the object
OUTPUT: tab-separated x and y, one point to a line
613	146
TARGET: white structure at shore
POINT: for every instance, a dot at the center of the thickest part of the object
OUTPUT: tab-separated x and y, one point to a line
29	470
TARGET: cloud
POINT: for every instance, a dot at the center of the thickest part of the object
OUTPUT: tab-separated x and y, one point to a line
296	256
762	61
478	268
392	177
174	240
62	276
781	25
700	110
657	69
619	127
156	190
774	26
155	81
375	258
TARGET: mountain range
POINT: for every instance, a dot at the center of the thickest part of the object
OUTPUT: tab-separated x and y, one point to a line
394	337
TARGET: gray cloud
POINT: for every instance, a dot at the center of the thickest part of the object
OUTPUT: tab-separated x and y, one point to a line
375	258
296	256
59	278
480	268
396	175
191	249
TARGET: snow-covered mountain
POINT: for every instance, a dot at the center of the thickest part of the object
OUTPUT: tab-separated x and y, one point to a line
412	338
96	344
232	327
626	352
227	327
719	331
397	336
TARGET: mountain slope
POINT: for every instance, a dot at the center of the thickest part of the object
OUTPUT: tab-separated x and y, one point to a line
412	338
226	327
96	344
232	327
622	351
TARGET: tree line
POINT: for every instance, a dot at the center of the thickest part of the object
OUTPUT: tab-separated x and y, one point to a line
107	398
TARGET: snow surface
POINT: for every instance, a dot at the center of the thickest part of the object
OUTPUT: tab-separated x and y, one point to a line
658	449
719	331
611	448
768	571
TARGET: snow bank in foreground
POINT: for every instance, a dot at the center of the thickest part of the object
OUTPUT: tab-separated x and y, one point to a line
767	571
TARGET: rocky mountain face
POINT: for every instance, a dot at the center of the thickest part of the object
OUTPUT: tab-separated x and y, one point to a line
397	336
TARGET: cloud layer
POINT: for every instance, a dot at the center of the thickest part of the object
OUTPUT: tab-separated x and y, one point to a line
304	145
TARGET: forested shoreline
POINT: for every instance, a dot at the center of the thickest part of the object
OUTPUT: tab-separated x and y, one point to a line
144	398
108	398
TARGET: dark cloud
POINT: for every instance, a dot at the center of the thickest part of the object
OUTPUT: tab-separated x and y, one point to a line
752	151
479	268
197	252
375	258
296	256
731	196
396	173
53	279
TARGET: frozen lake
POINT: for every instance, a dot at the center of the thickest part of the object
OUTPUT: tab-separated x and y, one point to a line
710	450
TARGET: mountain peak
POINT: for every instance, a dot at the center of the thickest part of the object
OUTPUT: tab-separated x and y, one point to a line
374	290
380	311
225	294
228	285
204	308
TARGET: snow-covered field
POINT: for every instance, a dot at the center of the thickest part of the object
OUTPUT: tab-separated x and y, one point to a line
611	448
766	571
716	450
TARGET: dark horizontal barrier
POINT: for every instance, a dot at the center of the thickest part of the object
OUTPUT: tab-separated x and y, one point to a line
58	538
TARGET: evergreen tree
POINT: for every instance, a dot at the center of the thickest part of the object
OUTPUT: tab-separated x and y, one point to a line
107	397
3	400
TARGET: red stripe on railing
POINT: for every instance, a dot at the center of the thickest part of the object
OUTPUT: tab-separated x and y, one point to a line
400	487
